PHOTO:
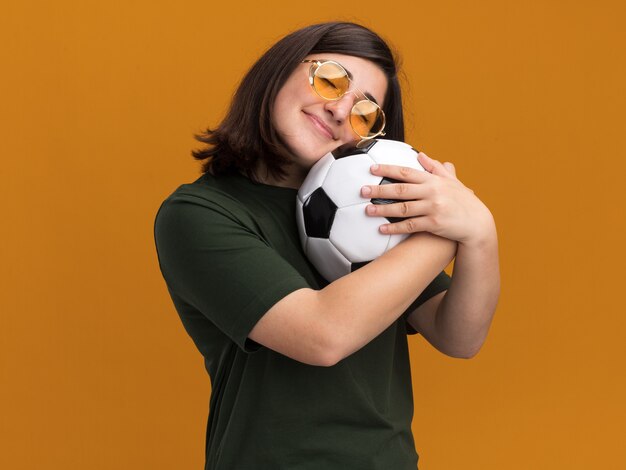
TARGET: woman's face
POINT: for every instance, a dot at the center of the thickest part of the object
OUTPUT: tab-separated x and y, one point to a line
311	126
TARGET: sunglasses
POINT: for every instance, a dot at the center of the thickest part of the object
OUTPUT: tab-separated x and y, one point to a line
331	82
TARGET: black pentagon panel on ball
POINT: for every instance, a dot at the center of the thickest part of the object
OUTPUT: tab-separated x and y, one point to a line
355	266
379	200
319	212
360	148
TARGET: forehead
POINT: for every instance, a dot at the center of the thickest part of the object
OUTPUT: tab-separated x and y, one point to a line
367	76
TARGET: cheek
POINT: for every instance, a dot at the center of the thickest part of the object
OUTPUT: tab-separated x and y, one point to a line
279	116
284	108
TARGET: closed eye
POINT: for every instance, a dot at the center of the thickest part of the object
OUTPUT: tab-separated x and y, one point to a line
329	82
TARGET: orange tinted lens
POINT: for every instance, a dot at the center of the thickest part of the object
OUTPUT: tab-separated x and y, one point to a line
367	119
331	81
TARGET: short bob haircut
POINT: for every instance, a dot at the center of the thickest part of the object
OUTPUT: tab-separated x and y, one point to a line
247	136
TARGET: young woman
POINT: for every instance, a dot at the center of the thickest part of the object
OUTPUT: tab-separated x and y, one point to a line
307	374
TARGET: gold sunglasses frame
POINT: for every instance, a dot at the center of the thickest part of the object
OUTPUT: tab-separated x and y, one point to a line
316	64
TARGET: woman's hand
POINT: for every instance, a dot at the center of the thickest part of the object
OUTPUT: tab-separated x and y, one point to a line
432	201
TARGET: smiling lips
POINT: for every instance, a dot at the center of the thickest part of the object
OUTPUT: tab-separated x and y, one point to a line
321	126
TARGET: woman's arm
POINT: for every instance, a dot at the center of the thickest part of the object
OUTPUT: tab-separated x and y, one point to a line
322	327
326	326
456	322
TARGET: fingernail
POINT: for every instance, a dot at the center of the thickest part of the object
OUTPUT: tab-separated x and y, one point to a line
366	190
374	167
384	228
424	155
371	209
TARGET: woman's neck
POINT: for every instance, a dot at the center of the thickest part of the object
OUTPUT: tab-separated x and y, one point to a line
294	176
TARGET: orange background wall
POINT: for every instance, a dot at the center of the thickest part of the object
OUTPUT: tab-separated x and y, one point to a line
99	104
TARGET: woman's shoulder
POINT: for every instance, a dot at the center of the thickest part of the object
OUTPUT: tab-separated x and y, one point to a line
209	199
207	189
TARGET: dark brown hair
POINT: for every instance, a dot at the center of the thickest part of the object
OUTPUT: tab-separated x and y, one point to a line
247	136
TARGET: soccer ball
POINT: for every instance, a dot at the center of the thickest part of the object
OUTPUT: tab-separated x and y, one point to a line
336	234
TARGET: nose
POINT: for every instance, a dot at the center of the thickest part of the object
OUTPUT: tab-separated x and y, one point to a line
341	108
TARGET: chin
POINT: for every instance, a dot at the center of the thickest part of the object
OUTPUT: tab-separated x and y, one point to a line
308	150
308	155
311	160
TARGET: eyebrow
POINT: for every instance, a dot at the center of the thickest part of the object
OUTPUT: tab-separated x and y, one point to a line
368	95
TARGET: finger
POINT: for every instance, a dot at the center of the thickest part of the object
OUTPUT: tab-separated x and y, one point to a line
401	173
401	191
450	167
431	165
411	225
398	209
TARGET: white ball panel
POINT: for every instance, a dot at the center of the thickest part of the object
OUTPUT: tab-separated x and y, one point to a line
346	177
330	263
316	176
356	234
391	152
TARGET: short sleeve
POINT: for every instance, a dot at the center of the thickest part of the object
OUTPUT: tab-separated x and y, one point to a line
439	284
217	263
